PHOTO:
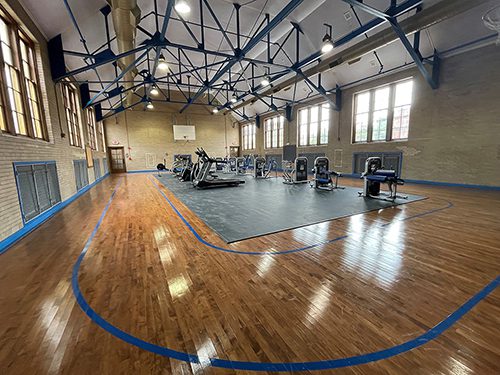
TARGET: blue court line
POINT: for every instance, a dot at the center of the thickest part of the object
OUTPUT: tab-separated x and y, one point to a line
268	366
206	243
34	223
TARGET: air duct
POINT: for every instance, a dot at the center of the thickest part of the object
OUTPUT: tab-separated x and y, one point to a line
126	16
423	20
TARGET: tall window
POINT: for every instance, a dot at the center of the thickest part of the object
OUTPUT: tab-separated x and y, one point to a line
383	114
248	132
314	123
100	126
72	110
20	109
274	131
91	131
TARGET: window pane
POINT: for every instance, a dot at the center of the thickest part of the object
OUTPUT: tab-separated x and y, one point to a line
325	123
379	125
303	116
303	135
401	122
382	98
403	93
281	131
275	132
363	102
361	127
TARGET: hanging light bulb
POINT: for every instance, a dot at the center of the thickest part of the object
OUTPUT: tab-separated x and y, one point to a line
327	44
234	99
162	63
150	105
215	110
327	40
154	91
265	82
182	7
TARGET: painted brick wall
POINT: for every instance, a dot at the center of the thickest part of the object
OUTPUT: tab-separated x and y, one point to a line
454	131
143	132
13	149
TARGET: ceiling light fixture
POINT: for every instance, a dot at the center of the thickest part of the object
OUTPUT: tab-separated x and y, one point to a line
182	7
327	40
150	105
154	91
234	99
215	110
162	63
265	82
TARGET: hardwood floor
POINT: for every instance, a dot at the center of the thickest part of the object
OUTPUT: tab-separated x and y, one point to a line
397	274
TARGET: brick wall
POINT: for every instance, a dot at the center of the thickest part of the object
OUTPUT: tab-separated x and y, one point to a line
143	132
17	148
454	130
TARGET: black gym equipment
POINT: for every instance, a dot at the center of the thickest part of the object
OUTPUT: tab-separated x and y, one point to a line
374	175
262	168
202	177
324	178
295	172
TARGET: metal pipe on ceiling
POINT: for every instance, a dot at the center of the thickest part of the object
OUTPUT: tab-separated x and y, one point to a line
126	16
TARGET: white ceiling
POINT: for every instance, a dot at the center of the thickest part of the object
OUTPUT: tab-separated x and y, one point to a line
53	19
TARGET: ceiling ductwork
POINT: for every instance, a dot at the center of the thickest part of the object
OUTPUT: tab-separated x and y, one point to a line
425	19
126	17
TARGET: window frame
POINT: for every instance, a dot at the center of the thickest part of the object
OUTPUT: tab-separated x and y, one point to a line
390	112
270	131
91	128
16	34
75	124
248	138
321	107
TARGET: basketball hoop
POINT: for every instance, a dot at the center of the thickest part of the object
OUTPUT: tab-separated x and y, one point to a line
492	21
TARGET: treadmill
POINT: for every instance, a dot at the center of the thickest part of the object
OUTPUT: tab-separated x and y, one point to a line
204	179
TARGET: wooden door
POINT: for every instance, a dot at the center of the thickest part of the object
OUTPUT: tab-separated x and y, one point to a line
117	158
234	151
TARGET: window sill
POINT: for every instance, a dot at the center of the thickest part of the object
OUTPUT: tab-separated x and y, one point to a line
380	142
22	137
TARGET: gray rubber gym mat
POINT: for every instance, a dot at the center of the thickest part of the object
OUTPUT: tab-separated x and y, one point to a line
261	207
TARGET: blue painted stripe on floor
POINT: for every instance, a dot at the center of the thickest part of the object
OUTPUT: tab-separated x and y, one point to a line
34	223
262	366
203	241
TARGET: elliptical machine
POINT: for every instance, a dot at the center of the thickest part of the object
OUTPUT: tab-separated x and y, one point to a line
263	169
324	178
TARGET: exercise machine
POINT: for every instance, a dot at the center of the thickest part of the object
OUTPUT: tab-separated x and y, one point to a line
230	166
244	163
202	178
324	178
262	168
295	172
374	175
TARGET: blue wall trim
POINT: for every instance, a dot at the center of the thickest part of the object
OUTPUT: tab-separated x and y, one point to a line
436	183
144	171
452	184
34	223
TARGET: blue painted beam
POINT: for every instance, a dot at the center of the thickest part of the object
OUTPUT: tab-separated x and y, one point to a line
414	54
285	12
368	9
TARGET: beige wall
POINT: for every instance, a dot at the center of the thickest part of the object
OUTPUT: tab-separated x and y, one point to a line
454	130
17	148
143	132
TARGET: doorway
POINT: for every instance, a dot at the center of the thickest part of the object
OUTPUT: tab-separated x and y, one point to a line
117	157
